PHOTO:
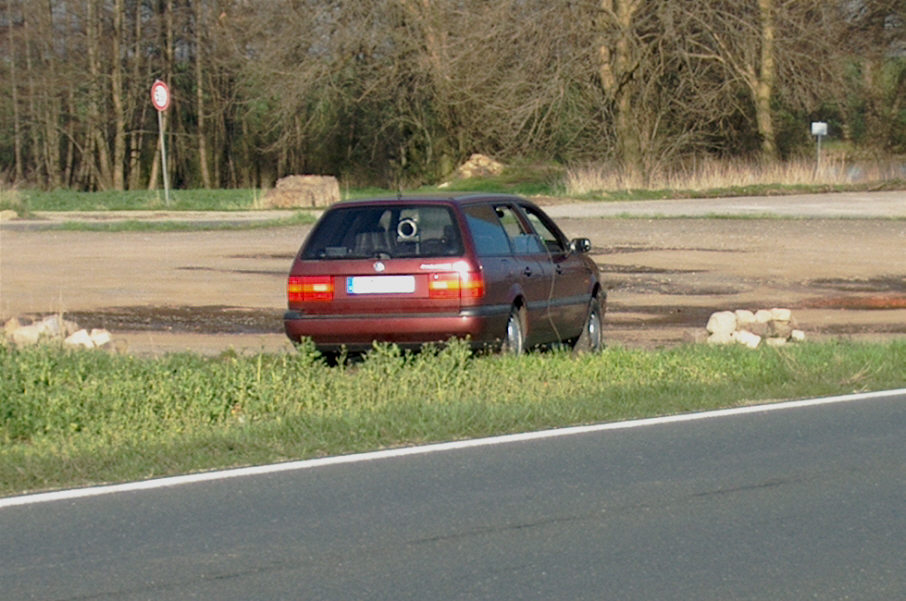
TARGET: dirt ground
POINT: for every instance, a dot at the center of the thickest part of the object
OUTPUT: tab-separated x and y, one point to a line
214	291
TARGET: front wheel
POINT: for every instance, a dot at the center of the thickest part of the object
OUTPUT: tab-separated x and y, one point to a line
514	338
591	340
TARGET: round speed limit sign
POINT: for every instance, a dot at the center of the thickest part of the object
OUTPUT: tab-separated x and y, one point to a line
160	95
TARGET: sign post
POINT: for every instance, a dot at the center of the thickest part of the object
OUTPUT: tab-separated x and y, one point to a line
819	130
160	98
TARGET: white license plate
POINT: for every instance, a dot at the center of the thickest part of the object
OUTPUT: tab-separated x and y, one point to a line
381	284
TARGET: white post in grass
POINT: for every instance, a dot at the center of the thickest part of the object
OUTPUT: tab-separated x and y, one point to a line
819	130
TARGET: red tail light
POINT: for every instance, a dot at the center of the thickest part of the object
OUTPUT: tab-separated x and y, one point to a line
309	288
456	284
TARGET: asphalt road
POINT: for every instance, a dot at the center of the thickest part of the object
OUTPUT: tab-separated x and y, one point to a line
858	205
802	503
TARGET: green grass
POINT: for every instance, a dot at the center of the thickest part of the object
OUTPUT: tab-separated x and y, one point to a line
137	200
134	225
72	418
30	201
522	179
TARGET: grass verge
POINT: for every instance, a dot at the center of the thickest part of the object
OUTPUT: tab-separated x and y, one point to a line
135	225
600	182
135	200
73	418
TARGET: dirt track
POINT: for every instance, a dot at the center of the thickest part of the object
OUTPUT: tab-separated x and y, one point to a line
212	291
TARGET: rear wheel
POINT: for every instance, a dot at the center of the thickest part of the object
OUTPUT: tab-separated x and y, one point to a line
514	339
591	340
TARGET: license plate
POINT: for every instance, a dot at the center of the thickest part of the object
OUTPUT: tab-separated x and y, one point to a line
381	284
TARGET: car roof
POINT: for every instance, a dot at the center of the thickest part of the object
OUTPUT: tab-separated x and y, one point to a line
446	198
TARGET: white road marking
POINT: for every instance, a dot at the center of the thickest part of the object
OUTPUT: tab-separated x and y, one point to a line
94	491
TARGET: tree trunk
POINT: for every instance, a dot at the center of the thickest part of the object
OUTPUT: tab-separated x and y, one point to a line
68	170
119	113
49	99
616	69
19	173
95	125
32	114
199	94
136	135
764	85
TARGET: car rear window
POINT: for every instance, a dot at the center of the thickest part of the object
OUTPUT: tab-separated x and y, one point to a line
385	231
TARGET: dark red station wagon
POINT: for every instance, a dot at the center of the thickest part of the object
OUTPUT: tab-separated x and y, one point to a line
494	269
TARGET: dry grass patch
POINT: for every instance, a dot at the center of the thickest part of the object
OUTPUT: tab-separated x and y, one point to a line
722	175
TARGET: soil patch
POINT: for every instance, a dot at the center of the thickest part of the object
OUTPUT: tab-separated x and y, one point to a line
215	290
209	319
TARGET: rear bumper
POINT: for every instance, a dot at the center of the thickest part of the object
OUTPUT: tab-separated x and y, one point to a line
483	327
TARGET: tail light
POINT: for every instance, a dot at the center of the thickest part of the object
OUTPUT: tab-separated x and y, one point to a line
309	288
456	284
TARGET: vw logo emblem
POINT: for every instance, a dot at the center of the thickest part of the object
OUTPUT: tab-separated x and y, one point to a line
379	267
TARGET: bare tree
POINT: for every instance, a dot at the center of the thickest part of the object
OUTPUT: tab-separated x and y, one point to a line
200	108
12	18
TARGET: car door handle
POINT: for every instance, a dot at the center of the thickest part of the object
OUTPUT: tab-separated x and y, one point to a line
527	271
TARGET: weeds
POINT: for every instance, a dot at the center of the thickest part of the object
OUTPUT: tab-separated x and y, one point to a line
11	199
134	225
704	178
70	418
727	178
131	200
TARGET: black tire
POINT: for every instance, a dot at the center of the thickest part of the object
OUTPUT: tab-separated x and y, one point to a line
514	337
591	340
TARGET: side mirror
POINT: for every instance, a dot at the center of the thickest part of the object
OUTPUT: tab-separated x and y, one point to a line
580	245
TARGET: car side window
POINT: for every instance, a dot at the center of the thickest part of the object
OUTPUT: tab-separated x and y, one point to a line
524	242
487	231
553	240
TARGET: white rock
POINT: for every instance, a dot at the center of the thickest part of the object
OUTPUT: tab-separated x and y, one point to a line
747	338
57	327
744	318
763	316
780	329
26	335
303	191
100	337
479	165
722	323
720	338
11	326
775	341
797	336
80	339
781	314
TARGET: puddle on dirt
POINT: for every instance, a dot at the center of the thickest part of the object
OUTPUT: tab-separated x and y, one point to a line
260	256
210	319
659	315
669	287
879	302
281	273
887	283
630	248
611	268
854	330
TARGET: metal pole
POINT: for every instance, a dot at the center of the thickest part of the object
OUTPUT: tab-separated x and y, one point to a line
163	157
818	165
